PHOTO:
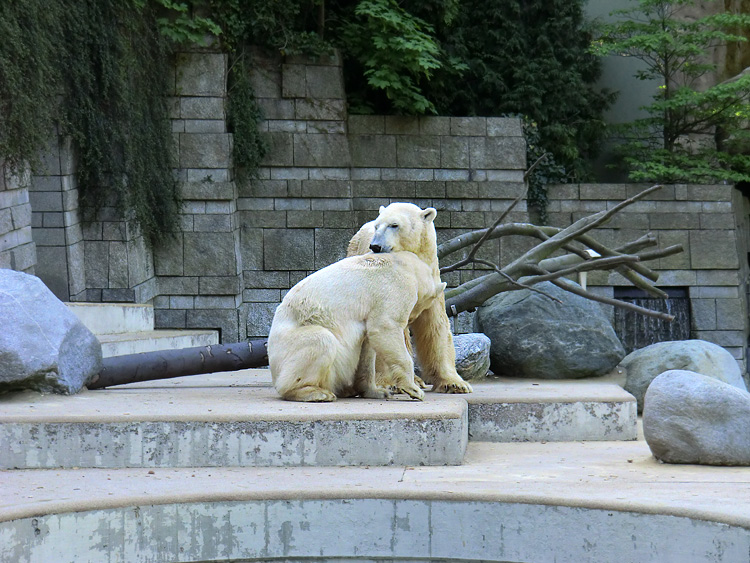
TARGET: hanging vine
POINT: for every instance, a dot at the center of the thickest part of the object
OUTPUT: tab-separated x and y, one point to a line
100	69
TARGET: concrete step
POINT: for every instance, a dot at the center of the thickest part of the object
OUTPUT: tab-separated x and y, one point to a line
236	419
526	410
153	340
114	318
240	422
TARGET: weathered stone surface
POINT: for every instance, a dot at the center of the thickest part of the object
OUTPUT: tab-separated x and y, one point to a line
643	365
534	336
472	355
43	345
693	418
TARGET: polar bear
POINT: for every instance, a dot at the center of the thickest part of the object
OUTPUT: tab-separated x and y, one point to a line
330	327
405	226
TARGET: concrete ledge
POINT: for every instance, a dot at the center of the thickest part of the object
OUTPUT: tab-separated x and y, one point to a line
153	340
370	530
508	410
226	427
112	318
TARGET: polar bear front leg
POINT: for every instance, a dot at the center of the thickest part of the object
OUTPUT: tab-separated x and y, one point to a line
364	378
387	341
437	356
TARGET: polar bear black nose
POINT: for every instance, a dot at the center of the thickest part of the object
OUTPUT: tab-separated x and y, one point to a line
376	248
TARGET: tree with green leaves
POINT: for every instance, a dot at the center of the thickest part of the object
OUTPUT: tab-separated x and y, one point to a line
528	57
688	134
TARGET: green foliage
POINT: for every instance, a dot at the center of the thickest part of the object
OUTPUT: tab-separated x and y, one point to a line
675	142
396	52
180	24
527	57
288	26
243	115
29	77
545	171
116	112
99	68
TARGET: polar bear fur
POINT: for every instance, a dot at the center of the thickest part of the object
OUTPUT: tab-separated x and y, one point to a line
330	327
406	227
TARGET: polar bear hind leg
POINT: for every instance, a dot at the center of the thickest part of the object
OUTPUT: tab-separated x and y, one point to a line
304	369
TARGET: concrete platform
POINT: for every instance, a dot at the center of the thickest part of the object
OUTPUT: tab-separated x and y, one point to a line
224	420
521	410
237	420
603	502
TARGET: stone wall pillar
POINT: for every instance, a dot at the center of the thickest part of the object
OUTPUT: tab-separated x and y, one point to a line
199	271
56	221
17	248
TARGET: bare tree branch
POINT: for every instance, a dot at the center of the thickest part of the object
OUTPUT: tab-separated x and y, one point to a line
567	286
537	265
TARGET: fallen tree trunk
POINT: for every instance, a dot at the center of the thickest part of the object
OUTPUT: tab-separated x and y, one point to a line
166	364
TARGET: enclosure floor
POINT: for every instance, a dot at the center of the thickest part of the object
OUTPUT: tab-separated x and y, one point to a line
619	476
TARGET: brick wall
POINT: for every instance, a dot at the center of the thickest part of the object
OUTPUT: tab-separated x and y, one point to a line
17	249
199	272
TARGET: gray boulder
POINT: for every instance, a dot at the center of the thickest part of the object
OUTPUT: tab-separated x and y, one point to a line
472	355
642	366
43	345
692	418
534	336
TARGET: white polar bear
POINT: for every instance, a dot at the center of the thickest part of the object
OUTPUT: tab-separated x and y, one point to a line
404	226
329	328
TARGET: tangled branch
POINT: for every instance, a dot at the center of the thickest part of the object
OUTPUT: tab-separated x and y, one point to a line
537	264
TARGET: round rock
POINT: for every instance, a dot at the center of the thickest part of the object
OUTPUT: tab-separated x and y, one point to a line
692	418
709	359
43	345
472	355
535	336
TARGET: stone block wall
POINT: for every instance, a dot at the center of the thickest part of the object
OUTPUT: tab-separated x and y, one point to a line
710	222
199	272
242	247
17	248
326	174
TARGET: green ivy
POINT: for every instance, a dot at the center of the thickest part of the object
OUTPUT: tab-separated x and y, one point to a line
243	114
117	80
30	77
100	69
546	171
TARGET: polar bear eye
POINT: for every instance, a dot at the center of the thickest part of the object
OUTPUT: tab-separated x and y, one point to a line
394	226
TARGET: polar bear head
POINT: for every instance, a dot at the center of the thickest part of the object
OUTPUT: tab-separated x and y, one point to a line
404	226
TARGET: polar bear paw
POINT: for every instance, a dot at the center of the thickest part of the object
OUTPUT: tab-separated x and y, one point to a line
457	387
414	392
377	393
310	394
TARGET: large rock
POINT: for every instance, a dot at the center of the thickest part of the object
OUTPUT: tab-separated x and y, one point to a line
535	336
43	345
472	355
692	418
642	366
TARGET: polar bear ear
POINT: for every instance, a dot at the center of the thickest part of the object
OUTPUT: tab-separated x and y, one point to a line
382	208
429	214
